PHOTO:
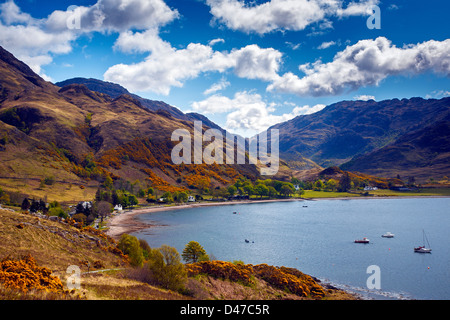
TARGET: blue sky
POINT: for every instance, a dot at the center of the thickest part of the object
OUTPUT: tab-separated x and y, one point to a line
244	64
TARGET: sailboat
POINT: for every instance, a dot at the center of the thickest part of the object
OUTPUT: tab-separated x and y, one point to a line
423	249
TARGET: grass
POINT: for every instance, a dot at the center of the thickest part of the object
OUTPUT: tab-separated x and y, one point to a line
59	191
422	192
327	194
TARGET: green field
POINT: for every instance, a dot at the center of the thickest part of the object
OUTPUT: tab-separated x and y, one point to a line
379	193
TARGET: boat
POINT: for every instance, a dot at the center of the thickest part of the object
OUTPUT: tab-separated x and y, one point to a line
423	249
363	240
388	235
247	241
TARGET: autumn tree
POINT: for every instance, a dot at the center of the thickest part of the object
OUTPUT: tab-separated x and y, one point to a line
103	208
130	245
166	269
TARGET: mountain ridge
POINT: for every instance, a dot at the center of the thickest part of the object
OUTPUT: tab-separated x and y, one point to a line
346	130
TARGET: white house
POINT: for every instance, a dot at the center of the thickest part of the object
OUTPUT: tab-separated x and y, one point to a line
191	199
369	188
118	207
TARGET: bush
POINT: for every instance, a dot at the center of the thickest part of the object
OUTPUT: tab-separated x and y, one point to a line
166	269
130	246
58	212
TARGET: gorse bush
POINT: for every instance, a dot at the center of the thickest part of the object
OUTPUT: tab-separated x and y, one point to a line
288	279
25	275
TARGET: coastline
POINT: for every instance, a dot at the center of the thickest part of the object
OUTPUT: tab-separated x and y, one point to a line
126	221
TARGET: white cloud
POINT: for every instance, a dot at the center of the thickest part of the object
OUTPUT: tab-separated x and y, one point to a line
326	45
364	97
168	67
366	63
116	15
274	15
222	84
438	94
215	41
248	113
36	41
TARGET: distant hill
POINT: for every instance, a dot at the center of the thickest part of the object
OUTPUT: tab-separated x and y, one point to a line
362	136
76	134
114	90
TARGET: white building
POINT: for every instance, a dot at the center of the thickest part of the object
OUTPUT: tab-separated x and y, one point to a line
118	207
369	188
191	199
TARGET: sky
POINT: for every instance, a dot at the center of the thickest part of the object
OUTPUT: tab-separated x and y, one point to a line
246	65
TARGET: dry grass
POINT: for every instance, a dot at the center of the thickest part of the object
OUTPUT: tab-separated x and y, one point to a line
53	244
59	191
117	286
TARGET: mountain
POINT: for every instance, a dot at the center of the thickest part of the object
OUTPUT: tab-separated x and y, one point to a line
361	136
78	135
114	90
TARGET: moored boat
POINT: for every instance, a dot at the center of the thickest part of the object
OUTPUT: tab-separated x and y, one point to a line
363	240
388	235
423	249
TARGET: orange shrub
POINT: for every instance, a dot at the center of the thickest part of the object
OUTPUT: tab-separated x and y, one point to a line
222	270
25	275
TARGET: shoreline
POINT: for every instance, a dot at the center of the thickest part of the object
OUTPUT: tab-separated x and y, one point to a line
126	222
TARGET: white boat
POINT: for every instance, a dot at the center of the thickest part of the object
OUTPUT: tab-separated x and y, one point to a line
388	235
423	249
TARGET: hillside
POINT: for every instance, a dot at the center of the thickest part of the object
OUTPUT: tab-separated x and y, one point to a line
115	90
50	247
358	129
79	136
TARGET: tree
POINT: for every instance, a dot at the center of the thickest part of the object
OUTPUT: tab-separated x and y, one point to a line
300	191
261	190
232	190
287	189
249	189
166	269
318	185
345	183
130	245
272	191
193	252
103	208
331	184
182	197
25	204
132	200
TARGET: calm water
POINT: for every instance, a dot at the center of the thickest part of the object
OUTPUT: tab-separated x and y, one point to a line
318	240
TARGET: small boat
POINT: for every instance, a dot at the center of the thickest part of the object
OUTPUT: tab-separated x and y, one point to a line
388	235
423	249
363	240
234	212
247	241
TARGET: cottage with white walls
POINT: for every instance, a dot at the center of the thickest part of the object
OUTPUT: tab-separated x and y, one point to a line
191	199
118	207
